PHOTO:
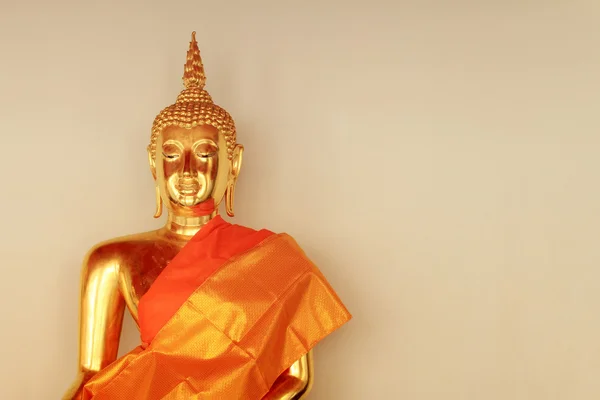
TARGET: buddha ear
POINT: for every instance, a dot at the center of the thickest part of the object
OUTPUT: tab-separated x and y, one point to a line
234	171
236	161
152	162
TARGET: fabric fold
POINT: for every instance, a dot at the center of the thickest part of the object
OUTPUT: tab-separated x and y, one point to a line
261	309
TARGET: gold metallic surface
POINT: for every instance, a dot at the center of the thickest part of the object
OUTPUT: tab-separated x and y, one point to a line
234	334
195	160
194	106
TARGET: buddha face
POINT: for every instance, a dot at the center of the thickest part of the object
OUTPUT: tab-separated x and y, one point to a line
191	166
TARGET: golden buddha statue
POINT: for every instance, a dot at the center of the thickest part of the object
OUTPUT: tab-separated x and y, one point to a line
224	311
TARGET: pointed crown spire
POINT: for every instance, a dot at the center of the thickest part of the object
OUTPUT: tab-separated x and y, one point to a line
193	72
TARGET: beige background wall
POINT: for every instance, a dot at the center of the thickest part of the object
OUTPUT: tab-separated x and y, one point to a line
438	161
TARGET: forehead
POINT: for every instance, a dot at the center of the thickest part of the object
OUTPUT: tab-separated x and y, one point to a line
189	136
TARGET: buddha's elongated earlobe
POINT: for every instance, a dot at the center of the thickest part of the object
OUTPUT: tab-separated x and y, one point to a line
236	166
158	211
229	199
152	163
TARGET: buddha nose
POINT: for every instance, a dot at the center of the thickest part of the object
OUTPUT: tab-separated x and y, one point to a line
187	165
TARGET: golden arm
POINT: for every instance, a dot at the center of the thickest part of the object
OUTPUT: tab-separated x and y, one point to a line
100	317
295	383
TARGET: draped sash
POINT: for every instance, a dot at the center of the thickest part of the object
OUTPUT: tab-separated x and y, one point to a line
230	313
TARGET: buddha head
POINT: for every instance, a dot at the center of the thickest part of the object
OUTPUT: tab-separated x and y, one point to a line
193	154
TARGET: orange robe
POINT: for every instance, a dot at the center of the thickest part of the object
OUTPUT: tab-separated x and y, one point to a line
231	312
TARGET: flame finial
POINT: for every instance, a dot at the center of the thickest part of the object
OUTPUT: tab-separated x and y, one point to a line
193	73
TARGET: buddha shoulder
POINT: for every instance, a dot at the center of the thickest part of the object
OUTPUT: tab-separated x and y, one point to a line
126	252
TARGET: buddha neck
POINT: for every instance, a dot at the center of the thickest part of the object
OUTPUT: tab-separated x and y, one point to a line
186	226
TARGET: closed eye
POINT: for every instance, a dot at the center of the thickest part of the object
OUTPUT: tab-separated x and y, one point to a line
206	155
171	156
